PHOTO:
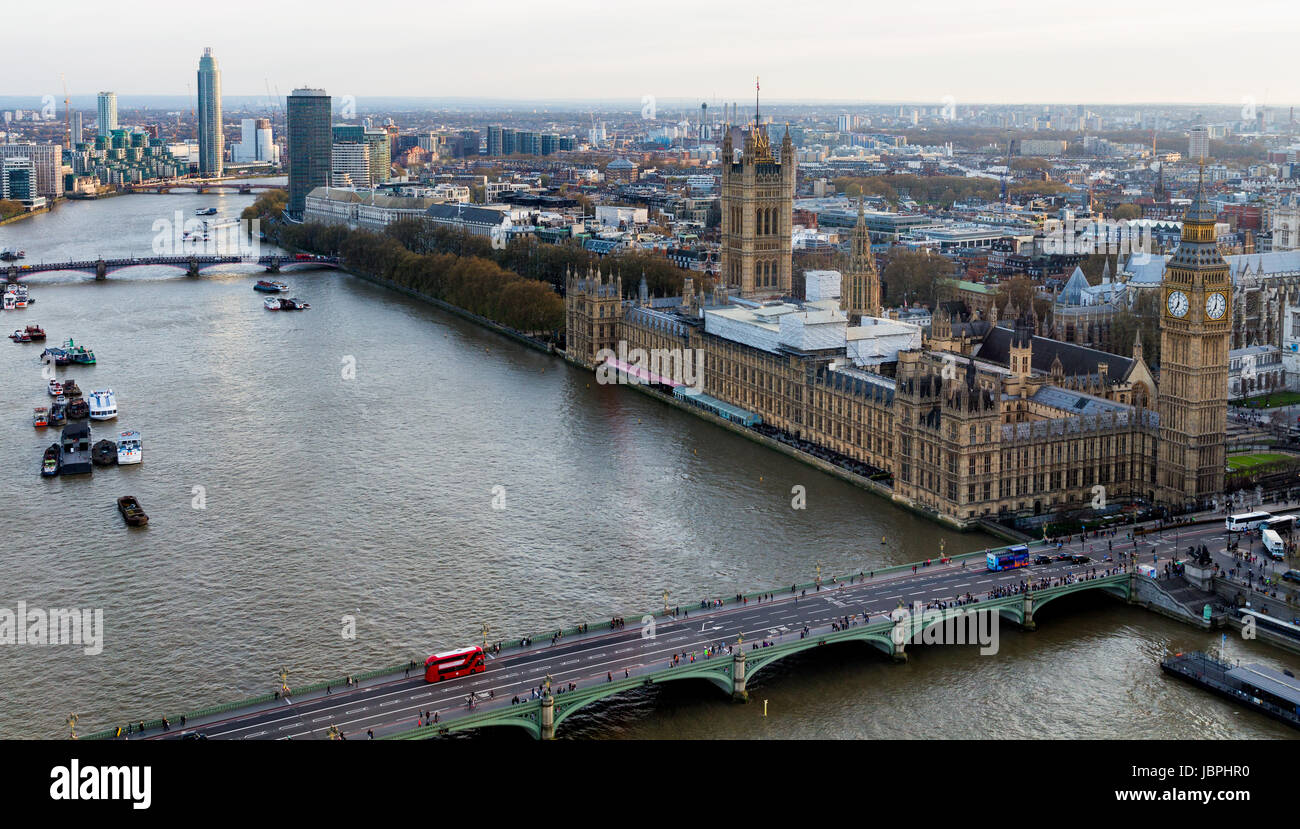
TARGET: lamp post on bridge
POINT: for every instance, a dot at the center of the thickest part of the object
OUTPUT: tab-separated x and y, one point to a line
283	676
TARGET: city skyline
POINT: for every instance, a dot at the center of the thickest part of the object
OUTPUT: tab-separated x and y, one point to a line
1002	53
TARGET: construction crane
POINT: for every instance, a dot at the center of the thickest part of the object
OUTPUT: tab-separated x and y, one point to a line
274	101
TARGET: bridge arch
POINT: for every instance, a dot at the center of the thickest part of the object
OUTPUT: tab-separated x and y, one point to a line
1119	590
572	702
765	657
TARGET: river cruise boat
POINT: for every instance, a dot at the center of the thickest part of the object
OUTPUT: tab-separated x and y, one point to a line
270	286
130	447
206	211
103	405
10	301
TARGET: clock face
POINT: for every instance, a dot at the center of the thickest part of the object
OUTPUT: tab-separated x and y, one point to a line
1178	303
1215	306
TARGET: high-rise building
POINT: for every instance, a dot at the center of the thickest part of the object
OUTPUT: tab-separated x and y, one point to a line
17	179
47	160
310	143
757	196
1198	145
107	113
77	133
212	143
1195	327
350	164
256	143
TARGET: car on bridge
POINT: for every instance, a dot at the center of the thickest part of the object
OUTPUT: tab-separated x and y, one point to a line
1041	559
1081	559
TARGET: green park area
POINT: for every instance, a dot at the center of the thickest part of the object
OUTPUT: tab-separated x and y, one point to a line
1236	463
1272	400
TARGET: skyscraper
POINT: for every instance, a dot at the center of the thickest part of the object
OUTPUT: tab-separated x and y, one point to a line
310	142
107	113
211	140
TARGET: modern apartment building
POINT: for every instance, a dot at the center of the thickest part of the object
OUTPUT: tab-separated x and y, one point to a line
212	142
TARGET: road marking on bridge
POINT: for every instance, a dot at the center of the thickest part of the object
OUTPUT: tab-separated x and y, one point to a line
357	710
392	702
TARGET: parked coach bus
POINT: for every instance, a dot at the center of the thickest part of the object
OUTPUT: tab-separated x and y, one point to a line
452	664
1246	521
1009	558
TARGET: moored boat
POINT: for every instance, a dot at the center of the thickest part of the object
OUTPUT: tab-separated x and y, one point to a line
71	389
78	409
74	457
55	388
57	355
35	332
104	453
10	301
79	353
131	511
40	417
20	337
272	303
103	405
293	304
270	286
58	413
130	447
50	463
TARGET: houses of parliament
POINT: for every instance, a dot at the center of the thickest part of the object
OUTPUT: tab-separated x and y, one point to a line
977	418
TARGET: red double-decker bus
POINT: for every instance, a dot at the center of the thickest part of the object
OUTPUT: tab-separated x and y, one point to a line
451	664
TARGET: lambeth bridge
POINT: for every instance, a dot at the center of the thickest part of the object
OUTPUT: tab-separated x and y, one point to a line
536	683
199	187
191	264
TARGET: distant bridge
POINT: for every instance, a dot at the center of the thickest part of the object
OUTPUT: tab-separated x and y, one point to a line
192	264
200	187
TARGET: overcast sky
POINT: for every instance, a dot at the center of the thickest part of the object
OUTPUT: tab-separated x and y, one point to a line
1098	51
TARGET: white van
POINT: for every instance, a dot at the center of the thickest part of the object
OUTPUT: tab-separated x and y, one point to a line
1274	544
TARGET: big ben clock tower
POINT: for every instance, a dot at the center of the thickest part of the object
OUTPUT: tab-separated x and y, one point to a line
1195	325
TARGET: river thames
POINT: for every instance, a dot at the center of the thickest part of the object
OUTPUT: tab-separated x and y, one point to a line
300	468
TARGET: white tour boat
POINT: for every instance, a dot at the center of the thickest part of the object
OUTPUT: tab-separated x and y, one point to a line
130	447
103	405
